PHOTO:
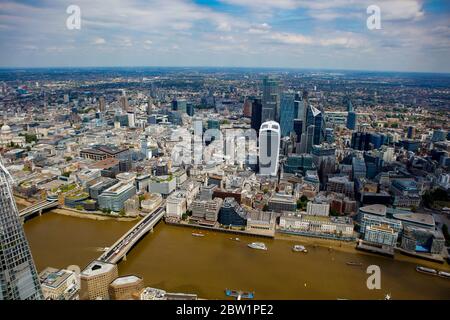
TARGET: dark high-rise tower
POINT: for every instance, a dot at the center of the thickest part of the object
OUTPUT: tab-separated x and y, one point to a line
18	276
351	120
256	114
314	117
270	100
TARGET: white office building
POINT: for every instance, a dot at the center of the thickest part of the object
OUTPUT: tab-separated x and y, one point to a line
269	148
318	209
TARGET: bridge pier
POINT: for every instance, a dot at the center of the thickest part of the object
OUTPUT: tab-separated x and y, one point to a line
40	212
124	257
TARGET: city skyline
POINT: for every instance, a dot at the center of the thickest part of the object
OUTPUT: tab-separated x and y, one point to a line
228	33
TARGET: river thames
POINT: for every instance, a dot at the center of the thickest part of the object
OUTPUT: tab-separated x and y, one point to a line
172	259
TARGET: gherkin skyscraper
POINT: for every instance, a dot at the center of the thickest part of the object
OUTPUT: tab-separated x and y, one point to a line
18	275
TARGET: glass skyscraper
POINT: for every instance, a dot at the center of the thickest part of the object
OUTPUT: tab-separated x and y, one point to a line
256	114
351	120
270	100
291	107
314	117
18	276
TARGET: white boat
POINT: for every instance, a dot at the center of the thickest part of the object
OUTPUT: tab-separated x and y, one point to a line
444	274
426	270
198	234
258	245
299	248
235	239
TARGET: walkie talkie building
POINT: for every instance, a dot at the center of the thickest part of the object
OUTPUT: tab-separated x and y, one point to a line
269	148
18	275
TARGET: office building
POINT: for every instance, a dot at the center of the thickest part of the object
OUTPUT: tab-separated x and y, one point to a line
439	135
358	168
179	105
206	209
114	197
318	209
298	130
381	235
421	240
247	108
95	280
190	110
232	214
314	117
351	120
59	284
269	148
256	114
282	202
101	104
299	163
123	100
318	226
270	99
163	185
126	288
341	184
176	205
289	110
18	276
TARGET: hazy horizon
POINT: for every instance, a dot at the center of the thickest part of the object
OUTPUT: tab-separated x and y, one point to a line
294	34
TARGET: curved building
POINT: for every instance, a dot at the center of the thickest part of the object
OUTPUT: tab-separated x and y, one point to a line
269	148
232	214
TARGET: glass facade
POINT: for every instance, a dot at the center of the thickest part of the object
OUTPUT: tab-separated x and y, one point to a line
18	276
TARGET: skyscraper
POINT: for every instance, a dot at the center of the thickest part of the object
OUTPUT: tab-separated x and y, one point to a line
309	139
256	114
270	100
291	106
287	111
190	109
314	117
298	129
351	120
179	105
18	276
101	104
124	103
247	108
269	148
350	106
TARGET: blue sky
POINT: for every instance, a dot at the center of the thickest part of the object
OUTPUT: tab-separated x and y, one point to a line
326	34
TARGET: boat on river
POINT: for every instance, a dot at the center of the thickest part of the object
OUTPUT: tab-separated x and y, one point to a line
299	248
426	270
258	245
239	294
195	234
354	263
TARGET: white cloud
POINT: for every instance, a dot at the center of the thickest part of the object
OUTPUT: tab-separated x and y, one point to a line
290	38
99	41
259	28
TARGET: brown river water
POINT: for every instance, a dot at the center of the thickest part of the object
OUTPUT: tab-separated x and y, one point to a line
172	259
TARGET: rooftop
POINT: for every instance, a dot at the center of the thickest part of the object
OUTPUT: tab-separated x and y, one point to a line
96	268
376	209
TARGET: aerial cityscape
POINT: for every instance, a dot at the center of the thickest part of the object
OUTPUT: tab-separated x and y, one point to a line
202	178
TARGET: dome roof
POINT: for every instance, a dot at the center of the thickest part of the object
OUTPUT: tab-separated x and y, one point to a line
6	128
